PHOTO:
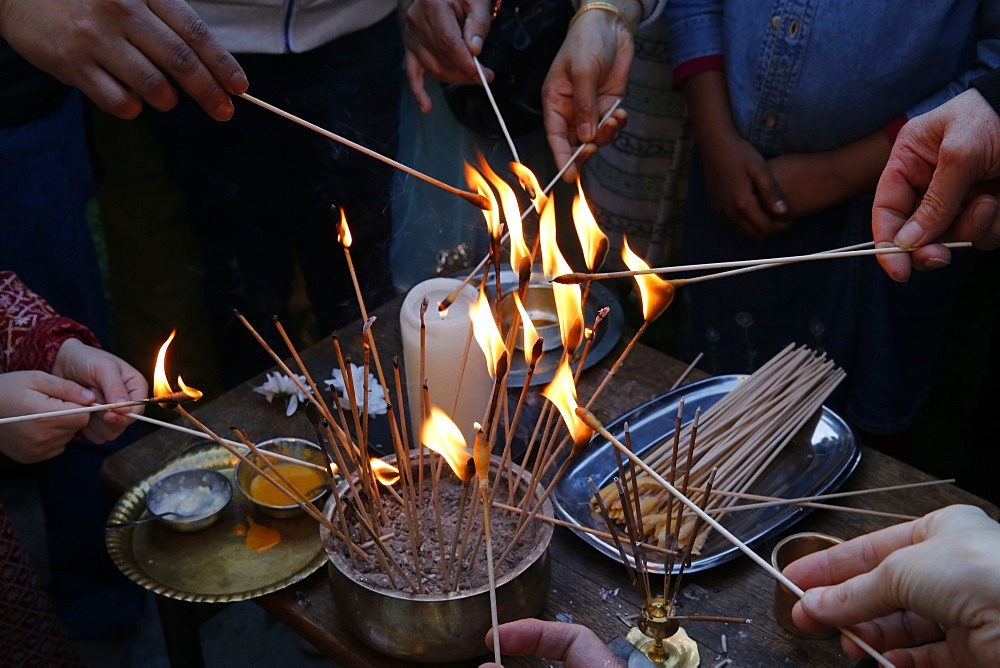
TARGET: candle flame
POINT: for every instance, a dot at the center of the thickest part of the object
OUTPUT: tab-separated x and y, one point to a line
161	386
519	252
593	241
443	436
343	231
487	334
656	293
385	473
561	391
530	333
478	183
568	298
530	184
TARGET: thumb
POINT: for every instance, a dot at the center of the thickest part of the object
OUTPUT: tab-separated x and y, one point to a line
477	26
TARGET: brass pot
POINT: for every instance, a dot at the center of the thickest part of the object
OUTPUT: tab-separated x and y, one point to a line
438	628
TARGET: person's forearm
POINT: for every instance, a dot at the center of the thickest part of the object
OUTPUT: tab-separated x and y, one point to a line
707	96
858	165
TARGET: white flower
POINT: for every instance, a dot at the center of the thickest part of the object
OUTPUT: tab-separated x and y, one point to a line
281	386
376	397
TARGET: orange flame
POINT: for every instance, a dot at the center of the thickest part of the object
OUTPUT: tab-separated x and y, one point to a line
161	386
656	293
530	333
480	184
568	298
343	231
593	241
561	391
530	184
443	436
519	252
487	333
386	473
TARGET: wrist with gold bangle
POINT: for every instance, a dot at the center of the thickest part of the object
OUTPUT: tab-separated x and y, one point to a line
606	7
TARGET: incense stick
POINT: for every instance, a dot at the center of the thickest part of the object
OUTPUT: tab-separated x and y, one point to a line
503	127
173	398
594	424
473	198
777	261
193	432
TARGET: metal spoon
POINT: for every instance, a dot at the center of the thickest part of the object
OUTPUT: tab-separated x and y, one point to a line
143	520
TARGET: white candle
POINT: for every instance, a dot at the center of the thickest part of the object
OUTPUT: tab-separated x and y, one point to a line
445	343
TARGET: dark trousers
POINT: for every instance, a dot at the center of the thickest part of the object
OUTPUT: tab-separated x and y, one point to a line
263	192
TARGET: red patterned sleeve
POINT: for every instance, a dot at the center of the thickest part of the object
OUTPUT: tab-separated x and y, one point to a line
31	332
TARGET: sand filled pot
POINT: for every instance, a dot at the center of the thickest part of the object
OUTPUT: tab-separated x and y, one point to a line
440	624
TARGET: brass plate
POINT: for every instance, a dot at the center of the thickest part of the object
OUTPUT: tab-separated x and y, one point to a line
213	565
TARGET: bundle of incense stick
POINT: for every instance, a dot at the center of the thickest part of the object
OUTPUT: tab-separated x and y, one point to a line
739	436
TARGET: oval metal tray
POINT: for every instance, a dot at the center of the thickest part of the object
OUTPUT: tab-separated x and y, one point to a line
819	459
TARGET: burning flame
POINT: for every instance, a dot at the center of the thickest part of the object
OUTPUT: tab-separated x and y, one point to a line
443	436
519	253
568	298
343	231
161	386
530	184
386	473
593	241
487	333
561	391
530	333
480	184
656	293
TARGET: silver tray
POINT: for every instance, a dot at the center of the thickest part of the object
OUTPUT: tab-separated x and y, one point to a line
605	339
819	459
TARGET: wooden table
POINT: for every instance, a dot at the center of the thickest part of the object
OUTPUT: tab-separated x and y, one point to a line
586	586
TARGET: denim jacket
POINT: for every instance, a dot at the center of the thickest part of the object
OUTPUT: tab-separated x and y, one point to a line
809	75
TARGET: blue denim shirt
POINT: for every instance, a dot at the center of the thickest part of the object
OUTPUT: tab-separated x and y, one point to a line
809	75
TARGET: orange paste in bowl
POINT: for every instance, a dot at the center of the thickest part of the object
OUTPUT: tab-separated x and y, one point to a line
304	478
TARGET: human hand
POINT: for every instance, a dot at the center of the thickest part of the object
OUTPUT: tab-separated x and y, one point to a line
940	183
925	593
576	645
739	183
121	53
109	378
30	392
443	38
587	77
808	183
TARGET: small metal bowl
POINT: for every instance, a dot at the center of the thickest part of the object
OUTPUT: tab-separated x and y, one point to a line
196	495
292	447
540	305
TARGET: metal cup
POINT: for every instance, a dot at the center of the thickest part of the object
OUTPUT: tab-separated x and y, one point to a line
785	552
